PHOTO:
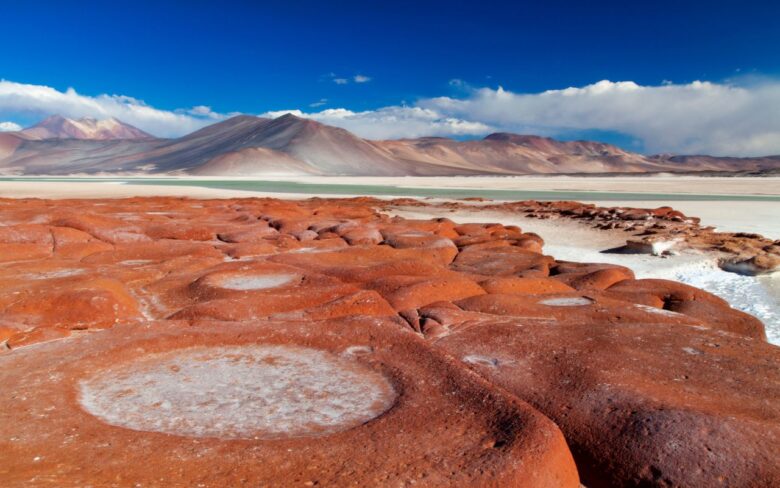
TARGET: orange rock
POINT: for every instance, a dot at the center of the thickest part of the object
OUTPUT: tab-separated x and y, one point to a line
109	229
405	292
252	291
524	286
36	336
582	276
640	405
75	303
677	297
574	307
181	232
152	251
354	402
502	261
75	244
22	251
26	234
257	232
631	369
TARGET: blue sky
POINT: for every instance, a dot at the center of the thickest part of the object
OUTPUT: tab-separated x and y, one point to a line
256	57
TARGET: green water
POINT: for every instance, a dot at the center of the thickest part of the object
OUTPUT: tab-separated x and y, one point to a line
377	190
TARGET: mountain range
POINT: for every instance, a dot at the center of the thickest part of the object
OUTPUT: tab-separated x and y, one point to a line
289	145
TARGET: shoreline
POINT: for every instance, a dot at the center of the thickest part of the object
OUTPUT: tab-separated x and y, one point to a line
571	241
753	213
655	183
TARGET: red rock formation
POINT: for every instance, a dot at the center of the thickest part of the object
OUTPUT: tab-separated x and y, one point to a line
423	417
652	383
640	404
659	231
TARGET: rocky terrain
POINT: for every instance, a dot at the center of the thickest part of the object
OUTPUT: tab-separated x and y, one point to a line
261	342
659	231
288	145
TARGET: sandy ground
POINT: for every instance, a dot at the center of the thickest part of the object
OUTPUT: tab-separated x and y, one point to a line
76	189
756	217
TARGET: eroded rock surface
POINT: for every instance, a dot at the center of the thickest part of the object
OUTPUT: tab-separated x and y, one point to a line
660	231
264	342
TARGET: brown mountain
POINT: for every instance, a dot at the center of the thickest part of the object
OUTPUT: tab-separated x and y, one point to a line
289	145
58	127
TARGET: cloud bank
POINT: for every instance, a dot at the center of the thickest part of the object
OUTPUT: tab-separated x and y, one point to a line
392	122
692	118
9	127
39	100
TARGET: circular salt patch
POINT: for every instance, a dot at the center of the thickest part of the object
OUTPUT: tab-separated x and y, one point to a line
256	282
237	392
566	301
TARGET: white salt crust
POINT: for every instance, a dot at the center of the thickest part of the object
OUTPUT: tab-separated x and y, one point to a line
237	392
657	311
566	302
256	282
483	360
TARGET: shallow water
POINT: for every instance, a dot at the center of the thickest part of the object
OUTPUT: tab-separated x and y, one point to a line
403	191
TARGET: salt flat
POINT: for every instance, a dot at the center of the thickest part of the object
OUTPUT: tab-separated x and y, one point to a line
730	204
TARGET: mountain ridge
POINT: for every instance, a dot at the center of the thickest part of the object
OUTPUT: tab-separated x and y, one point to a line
290	145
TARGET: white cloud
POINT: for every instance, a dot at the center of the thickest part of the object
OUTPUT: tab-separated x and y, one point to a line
25	99
9	127
392	122
340	80
204	111
694	118
319	103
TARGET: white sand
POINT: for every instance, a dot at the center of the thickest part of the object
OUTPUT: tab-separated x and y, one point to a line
80	189
726	216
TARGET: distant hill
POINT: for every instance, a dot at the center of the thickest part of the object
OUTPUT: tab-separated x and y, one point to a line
58	127
290	145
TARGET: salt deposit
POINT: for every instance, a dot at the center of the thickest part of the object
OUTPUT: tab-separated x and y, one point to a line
257	282
566	302
237	392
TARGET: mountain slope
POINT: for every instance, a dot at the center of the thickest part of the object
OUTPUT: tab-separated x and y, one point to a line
514	154
289	145
58	127
317	149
